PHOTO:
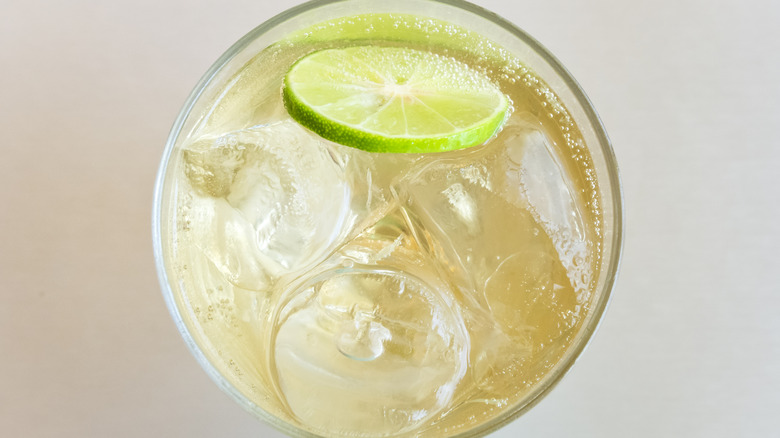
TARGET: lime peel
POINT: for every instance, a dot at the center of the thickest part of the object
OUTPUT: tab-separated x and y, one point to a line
391	99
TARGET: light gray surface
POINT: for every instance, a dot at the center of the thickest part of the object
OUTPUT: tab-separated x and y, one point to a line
688	90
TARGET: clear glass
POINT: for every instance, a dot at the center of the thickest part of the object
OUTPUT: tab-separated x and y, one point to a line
489	25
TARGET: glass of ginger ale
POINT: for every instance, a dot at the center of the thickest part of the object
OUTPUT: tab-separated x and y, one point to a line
382	219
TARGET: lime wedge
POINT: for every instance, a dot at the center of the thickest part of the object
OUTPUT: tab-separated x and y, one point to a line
391	99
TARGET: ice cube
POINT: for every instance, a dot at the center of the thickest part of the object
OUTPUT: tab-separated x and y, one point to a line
376	327
387	345
279	200
472	211
463	203
546	190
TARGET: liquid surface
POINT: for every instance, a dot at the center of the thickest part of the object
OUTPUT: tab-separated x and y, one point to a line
360	294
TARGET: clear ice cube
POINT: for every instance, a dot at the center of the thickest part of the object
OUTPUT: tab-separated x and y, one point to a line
378	331
478	220
279	201
544	188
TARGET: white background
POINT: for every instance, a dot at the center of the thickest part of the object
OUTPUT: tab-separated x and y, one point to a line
689	91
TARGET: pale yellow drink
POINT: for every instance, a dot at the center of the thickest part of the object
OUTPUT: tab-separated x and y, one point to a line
351	293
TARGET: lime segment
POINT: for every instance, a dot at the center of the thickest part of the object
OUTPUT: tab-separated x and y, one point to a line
390	99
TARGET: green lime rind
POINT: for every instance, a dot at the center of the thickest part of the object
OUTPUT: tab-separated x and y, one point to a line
395	100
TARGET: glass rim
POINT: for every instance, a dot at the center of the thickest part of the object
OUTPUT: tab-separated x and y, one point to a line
609	270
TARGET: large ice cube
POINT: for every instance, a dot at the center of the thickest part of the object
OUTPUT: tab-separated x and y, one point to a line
474	212
378	331
279	201
545	189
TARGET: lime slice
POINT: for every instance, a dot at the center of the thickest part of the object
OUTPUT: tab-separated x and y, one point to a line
391	99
